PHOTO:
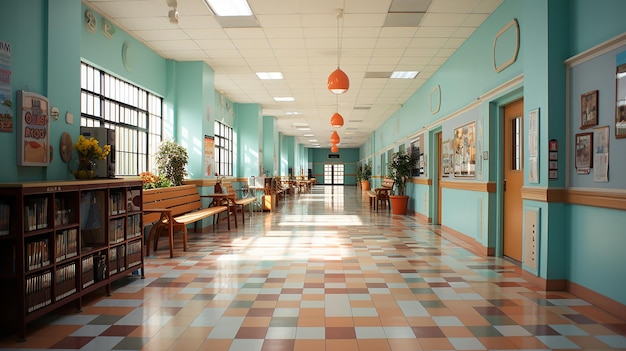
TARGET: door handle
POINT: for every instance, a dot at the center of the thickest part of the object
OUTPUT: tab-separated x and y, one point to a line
504	184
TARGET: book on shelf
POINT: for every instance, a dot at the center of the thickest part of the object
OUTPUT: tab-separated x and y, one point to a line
37	254
133	253
36	214
134	226
121	258
116	231
112	260
66	244
117	204
38	291
5	219
87	271
65	281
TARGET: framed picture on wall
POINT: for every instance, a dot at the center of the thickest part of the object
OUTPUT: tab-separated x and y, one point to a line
584	152
589	109
620	102
465	150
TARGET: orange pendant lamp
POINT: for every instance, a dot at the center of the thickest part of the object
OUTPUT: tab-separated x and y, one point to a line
338	82
334	138
336	120
334	148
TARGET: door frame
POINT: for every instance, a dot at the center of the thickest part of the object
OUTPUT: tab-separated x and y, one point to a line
436	203
496	113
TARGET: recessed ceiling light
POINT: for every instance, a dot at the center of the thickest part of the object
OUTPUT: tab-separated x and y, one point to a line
229	7
312	140
292	113
303	128
269	75
404	74
309	135
284	98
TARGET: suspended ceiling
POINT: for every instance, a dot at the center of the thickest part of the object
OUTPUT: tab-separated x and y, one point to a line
301	39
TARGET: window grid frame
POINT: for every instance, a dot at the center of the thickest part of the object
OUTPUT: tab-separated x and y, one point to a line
223	137
136	110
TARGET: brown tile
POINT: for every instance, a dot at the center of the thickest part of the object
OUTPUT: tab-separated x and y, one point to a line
278	345
309	345
72	342
251	333
260	312
340	333
339	322
216	345
404	345
256	322
341	345
119	330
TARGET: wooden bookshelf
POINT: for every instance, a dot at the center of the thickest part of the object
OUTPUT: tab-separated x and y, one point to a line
62	240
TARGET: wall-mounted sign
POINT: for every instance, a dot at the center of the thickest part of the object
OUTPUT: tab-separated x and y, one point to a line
33	127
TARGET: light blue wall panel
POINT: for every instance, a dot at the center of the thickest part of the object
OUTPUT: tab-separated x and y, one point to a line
596	259
248	135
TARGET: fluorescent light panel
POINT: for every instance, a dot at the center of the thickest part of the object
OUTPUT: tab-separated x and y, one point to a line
284	98
229	7
404	74
269	75
292	113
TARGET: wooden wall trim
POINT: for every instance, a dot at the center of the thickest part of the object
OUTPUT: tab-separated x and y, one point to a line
485	187
614	199
466	242
543	194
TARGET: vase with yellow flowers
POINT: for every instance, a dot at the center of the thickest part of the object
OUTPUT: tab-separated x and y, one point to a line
89	151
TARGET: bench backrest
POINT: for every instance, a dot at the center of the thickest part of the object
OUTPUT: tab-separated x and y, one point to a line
387	183
178	199
227	188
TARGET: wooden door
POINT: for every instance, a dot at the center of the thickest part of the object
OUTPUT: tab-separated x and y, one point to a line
513	179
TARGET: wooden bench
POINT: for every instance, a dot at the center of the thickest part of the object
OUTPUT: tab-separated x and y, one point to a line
172	209
233	200
380	195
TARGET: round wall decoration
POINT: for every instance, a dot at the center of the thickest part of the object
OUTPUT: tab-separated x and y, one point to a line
66	147
127	57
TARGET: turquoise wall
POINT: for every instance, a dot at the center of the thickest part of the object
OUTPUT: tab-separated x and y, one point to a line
270	146
248	126
348	157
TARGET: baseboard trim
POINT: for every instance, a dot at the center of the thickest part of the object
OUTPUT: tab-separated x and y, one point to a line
468	243
607	304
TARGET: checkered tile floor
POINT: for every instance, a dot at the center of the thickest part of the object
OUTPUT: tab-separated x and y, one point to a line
324	273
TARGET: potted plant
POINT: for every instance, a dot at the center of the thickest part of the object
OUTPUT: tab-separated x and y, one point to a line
171	160
399	169
366	173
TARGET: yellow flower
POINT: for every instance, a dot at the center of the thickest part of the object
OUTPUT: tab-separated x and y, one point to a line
89	148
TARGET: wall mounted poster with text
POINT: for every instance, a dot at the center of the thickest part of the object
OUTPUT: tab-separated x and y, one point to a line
33	126
6	92
209	156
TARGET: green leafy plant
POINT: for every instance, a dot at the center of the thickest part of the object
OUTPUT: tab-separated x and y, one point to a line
171	160
399	168
367	171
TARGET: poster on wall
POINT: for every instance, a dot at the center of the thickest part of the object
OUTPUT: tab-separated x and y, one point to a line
601	154
465	150
6	92
33	127
209	156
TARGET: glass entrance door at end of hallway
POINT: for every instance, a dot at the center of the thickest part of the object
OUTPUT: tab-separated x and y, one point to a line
333	174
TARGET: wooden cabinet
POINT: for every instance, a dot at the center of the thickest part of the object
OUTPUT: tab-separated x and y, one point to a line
62	240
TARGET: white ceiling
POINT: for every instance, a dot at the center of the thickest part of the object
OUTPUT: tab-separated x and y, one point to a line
300	39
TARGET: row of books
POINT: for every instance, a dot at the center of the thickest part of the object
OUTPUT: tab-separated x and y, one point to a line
117	262
133	253
87	271
134	226
66	244
37	254
38	291
117	203
5	219
116	231
65	281
61	212
36	214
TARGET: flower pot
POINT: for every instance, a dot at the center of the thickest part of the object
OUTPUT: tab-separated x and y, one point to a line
399	204
365	185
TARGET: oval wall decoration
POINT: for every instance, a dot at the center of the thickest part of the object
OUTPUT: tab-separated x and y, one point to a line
435	99
506	46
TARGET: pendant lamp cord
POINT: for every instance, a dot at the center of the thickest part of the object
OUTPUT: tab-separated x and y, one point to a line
339	35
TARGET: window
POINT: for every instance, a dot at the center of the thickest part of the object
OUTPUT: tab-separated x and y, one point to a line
135	114
223	149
